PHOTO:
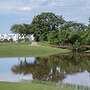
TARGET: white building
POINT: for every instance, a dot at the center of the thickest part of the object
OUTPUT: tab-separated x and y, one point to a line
15	37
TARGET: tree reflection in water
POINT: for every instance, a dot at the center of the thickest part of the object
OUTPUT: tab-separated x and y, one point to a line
55	67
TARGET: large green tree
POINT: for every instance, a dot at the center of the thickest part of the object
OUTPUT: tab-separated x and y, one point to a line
44	23
22	29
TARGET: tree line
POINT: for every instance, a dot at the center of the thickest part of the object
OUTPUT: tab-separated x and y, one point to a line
55	30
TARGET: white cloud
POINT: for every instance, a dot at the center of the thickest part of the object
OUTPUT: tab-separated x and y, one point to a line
78	9
24	8
20	5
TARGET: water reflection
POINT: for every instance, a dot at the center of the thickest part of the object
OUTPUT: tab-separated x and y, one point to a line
82	79
5	70
40	69
73	68
55	68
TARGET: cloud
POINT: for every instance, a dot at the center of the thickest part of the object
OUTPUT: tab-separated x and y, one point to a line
20	5
76	9
15	6
24	8
27	5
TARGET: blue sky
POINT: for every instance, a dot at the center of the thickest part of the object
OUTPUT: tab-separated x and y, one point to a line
23	11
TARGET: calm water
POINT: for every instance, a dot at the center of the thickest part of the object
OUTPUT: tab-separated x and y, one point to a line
69	68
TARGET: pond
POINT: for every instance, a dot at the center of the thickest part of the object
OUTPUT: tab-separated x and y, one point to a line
69	68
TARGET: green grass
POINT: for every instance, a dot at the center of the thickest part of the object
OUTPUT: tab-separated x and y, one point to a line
31	86
12	50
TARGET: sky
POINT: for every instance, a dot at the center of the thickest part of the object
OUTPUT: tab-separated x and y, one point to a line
23	11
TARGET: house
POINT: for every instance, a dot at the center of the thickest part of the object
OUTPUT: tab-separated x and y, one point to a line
15	37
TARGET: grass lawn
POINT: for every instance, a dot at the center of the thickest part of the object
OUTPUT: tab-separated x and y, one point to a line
12	50
30	86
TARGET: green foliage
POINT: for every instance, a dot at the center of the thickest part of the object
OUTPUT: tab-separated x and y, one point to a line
87	36
44	23
53	28
53	37
74	38
76	46
22	29
64	36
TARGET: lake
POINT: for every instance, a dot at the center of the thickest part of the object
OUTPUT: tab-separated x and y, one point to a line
69	68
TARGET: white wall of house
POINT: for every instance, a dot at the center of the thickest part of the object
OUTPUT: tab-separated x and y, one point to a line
15	37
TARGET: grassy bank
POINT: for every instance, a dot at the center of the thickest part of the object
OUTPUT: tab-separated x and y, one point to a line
12	50
31	86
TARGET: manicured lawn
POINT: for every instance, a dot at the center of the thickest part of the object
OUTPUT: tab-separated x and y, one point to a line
12	50
31	86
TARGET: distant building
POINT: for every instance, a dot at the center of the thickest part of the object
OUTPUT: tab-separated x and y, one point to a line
15	37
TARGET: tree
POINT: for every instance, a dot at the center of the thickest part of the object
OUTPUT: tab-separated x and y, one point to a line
44	23
53	37
87	34
22	29
74	26
17	28
75	41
